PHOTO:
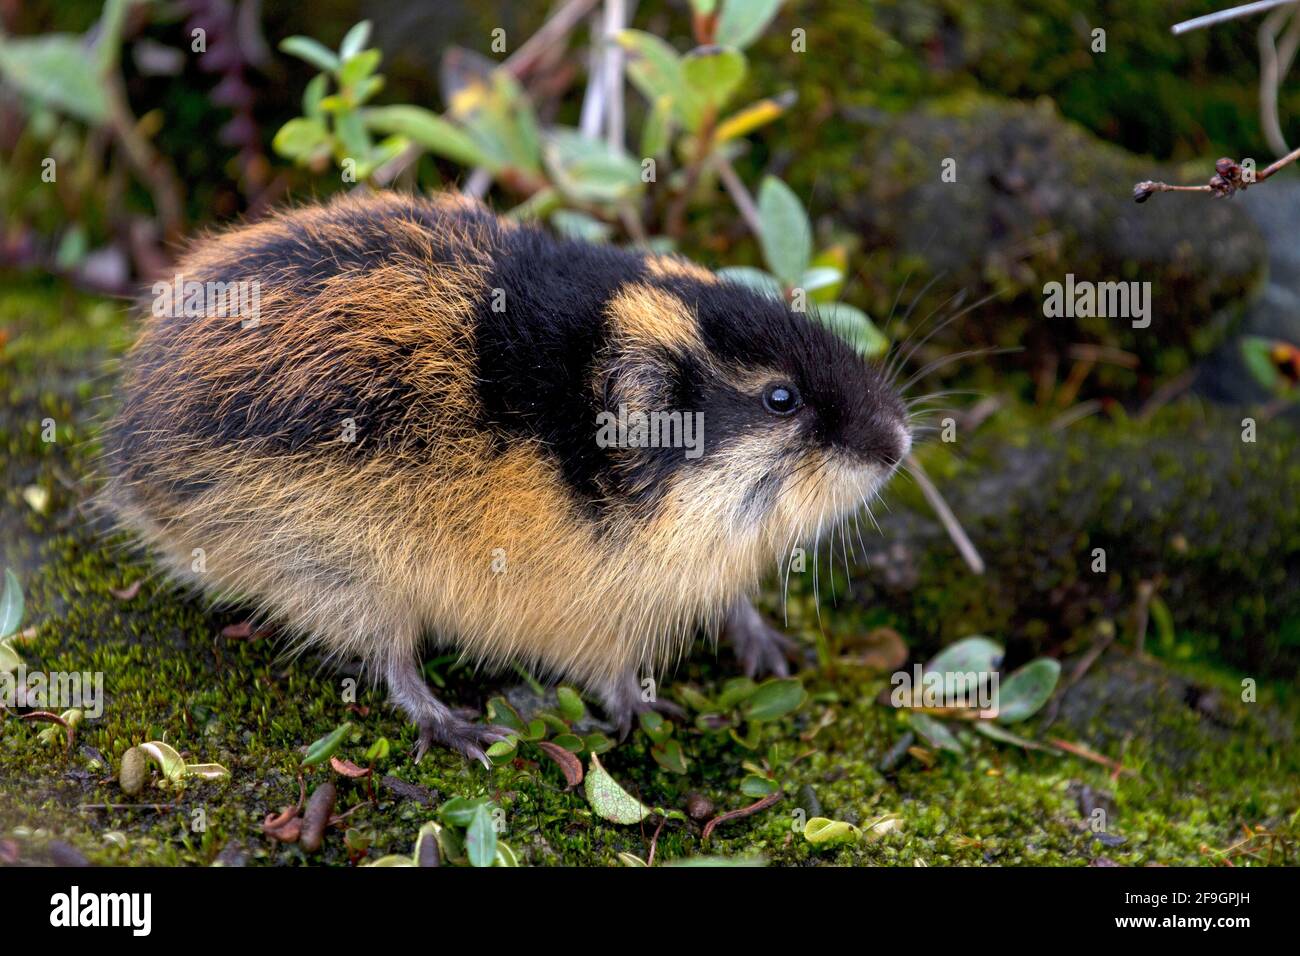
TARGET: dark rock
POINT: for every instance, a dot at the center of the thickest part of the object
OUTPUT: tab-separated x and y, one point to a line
1037	198
698	806
64	854
410	791
1182	501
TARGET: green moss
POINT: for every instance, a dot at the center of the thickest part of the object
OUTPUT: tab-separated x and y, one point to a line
1201	774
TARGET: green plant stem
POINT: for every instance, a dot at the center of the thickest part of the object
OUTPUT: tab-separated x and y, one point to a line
158	176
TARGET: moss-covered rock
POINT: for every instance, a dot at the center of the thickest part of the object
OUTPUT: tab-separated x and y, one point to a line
1036	199
1182	503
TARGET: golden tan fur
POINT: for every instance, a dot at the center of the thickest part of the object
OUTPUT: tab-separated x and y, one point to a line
487	548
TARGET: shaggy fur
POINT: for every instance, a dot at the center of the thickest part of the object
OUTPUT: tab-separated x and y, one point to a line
404	445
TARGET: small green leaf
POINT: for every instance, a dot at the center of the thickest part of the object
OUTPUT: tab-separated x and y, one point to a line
655	727
714	73
598	743
991	730
735	690
314	52
378	750
206	771
312	95
56	70
756	786
656	70
499	711
481	838
628	859
570	704
9	659
977	654
503	751
835	258
774	699
750	740
610	801
355	40
693	699
820	277
854	326
300	137
570	742
353	137
459	811
359	68
823	832
1265	359
787	234
1025	692
553	722
11	605
743	21
590	170
670	756
756	279
935	732
720	861
656	134
327	746
578	225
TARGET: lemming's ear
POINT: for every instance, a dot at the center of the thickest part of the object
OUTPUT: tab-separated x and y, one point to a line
637	379
647	328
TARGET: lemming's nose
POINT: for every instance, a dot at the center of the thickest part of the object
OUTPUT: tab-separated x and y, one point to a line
904	441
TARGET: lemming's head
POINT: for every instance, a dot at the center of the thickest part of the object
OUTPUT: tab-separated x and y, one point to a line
797	429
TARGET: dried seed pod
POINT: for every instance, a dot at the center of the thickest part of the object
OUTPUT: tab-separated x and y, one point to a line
134	771
319	810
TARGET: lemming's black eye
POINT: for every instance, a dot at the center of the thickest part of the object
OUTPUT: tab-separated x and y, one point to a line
780	399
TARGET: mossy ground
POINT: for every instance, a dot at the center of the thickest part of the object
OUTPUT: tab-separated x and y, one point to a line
1196	774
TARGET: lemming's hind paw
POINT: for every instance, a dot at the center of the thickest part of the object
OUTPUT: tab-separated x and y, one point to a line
462	736
760	648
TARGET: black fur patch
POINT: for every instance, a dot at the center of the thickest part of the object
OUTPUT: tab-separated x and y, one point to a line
537	355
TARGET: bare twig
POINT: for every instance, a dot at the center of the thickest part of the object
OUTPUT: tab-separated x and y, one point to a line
1166	393
950	522
1076	414
740	196
743	812
552	31
1223	16
1274	64
151	166
611	79
1229	177
654	842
